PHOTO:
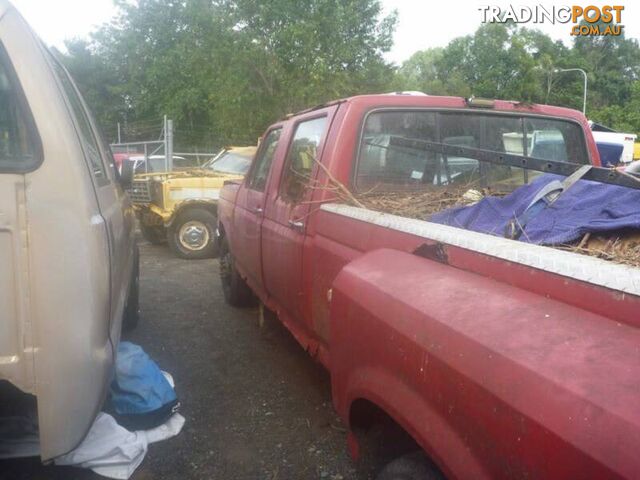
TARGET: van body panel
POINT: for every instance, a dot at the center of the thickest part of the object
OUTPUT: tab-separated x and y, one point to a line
71	260
16	356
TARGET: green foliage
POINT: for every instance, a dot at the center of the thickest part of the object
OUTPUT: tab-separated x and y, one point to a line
226	69
507	62
625	118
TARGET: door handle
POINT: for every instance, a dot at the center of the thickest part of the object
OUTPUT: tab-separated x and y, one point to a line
257	210
297	224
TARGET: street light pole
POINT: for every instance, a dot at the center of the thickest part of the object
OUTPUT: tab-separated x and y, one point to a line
584	97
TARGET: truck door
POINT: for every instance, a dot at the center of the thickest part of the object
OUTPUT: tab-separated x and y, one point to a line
286	212
248	214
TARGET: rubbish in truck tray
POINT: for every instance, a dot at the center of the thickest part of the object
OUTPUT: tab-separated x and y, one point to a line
458	206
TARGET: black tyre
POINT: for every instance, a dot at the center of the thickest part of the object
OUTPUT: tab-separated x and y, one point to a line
192	234
155	234
414	466
131	313
236	291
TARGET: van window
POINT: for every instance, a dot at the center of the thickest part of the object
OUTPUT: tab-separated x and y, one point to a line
386	160
19	145
87	137
258	176
301	157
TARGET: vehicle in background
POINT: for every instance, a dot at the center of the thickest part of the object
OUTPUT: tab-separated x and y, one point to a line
68	260
119	158
156	163
606	135
231	160
610	153
476	355
181	207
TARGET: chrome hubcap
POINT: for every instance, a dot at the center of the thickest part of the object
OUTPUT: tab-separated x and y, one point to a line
194	235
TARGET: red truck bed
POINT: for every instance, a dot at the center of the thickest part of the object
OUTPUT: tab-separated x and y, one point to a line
518	378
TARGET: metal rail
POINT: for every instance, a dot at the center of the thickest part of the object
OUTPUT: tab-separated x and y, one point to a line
596	174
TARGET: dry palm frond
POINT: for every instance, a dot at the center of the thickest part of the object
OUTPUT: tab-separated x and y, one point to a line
619	247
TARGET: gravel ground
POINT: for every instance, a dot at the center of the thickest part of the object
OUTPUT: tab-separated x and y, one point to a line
257	407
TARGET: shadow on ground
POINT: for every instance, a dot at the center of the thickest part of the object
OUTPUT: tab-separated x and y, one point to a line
257	407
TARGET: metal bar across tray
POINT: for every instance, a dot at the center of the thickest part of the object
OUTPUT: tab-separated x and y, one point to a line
597	174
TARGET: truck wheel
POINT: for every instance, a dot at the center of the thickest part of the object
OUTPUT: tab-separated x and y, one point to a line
236	291
413	466
192	234
132	307
155	234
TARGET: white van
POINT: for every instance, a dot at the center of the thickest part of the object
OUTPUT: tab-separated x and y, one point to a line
68	261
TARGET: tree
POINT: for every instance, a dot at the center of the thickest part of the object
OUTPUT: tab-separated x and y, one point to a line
224	70
421	72
510	62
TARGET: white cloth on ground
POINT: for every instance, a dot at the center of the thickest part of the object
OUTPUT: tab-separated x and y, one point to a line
114	452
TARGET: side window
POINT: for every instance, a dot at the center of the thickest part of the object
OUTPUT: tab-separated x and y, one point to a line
550	139
258	176
19	144
88	139
302	155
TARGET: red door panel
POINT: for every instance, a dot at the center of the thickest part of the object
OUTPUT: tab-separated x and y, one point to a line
249	212
286	215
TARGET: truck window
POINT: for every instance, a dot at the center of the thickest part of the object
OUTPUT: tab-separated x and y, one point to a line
257	178
19	144
501	134
555	140
301	157
89	142
383	164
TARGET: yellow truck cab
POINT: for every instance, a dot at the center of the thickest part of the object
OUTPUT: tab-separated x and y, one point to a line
181	207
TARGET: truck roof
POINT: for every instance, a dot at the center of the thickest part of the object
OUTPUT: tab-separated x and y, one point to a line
402	99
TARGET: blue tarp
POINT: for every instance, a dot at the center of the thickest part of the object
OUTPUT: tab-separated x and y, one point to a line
585	207
139	386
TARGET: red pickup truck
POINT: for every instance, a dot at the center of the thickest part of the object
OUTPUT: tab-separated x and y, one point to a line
494	357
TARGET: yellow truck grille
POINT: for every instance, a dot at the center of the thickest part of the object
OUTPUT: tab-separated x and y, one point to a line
140	191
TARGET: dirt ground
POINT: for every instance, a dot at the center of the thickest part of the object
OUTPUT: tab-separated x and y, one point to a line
256	406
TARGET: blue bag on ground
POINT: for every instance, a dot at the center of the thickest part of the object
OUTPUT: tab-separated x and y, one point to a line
140	396
585	207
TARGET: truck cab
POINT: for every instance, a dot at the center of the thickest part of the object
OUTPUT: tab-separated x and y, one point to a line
68	260
490	356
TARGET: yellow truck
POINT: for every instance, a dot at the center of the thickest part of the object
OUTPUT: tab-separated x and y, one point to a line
180	207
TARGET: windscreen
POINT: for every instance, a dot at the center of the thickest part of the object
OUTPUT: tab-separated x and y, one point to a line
230	162
383	164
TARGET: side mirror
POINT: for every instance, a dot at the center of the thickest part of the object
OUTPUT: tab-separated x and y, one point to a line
126	174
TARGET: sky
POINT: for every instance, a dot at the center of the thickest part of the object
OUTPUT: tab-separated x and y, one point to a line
421	23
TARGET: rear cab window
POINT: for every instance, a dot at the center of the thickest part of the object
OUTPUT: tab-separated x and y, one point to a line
383	164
